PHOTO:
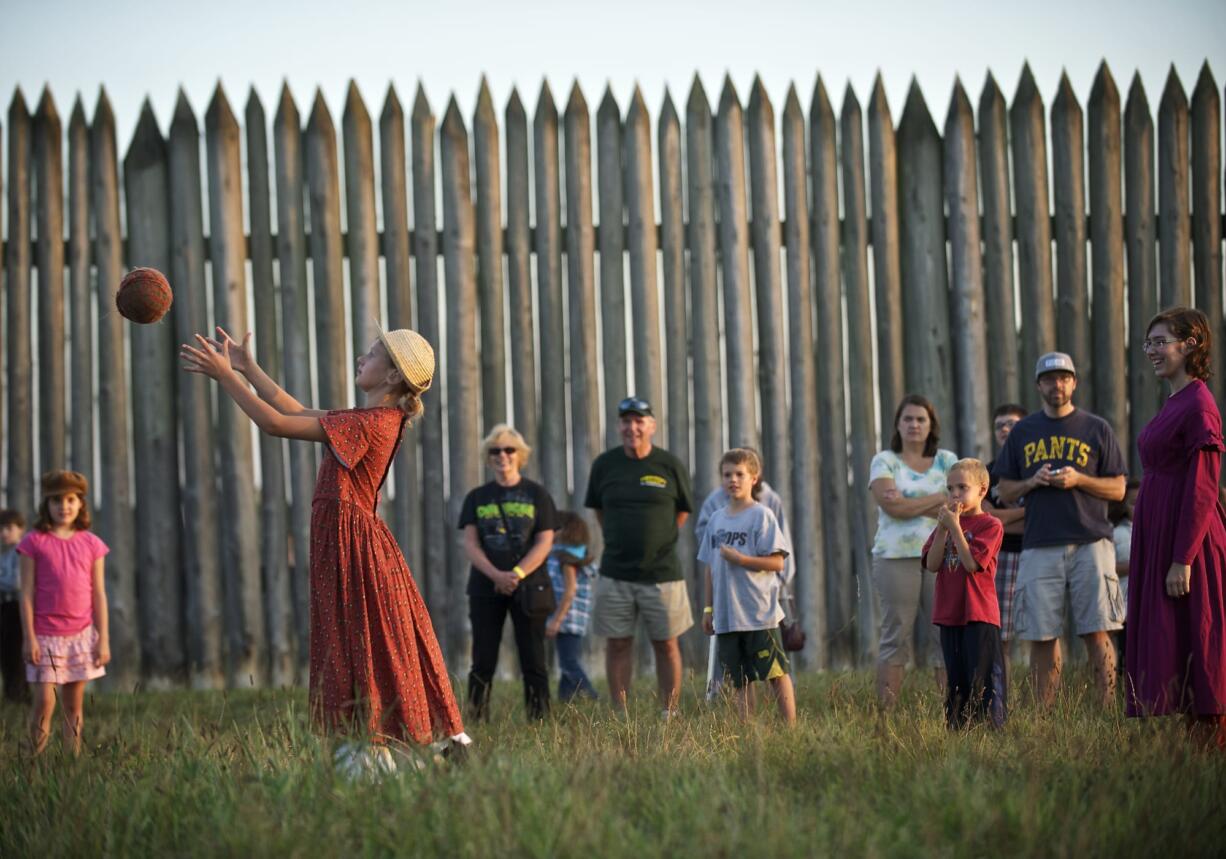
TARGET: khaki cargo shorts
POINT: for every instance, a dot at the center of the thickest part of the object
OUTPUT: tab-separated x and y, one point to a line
1086	571
664	607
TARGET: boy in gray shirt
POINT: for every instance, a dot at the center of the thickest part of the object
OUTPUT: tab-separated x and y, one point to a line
743	550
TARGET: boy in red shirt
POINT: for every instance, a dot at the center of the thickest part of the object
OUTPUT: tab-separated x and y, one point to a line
962	552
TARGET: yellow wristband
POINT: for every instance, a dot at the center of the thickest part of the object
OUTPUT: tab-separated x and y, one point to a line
519	571
708	610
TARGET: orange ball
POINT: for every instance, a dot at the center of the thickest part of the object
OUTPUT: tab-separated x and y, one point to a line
144	295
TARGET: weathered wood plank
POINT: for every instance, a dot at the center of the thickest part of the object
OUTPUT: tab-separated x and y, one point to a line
202	588
406	505
644	277
734	259
489	260
925	282
274	524
240	552
1174	229
612	241
861	398
437	529
21	491
1033	231
552	426
296	346
887	276
1107	237
362	248
160	609
332	367
704	296
49	260
841	607
1140	236
1072	299
966	300
800	482
115	523
768	282
80	305
1207	212
581	278
1005	376
519	274
464	434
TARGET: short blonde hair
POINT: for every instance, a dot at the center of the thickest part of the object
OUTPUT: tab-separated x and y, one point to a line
974	468
506	431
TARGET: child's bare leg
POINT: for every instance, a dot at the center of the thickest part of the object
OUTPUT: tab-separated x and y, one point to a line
1045	667
42	707
785	698
74	715
743	695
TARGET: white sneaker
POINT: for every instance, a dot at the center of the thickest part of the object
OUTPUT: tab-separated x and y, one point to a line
360	762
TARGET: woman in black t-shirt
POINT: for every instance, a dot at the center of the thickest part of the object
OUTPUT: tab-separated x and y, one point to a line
508	527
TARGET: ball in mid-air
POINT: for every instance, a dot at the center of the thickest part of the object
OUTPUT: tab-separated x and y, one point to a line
144	295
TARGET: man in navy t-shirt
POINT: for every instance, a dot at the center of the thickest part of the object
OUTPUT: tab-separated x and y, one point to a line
1068	465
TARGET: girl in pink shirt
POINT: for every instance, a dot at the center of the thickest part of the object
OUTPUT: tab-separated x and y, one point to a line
63	607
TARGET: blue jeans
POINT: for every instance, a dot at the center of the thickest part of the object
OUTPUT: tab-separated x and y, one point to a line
574	680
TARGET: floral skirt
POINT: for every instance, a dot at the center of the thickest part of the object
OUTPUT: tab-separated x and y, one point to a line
66	658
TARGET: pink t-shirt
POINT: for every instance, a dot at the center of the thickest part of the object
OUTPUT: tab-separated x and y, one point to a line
63	580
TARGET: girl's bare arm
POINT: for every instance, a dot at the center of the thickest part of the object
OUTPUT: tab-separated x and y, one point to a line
102	621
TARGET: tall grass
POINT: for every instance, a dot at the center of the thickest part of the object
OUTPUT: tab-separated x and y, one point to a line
241	773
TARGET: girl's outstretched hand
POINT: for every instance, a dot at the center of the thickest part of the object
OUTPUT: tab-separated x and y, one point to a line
205	359
240	354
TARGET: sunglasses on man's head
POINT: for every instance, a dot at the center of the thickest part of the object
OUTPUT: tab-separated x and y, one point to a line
633	404
509	451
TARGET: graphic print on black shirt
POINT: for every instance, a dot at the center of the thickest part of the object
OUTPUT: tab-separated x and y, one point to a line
507	519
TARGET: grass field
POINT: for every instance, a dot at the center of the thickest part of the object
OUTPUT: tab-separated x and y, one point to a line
240	773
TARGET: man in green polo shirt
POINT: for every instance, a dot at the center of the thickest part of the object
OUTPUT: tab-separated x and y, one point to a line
641	495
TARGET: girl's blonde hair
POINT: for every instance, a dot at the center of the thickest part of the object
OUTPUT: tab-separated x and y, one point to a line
750	459
508	431
410	403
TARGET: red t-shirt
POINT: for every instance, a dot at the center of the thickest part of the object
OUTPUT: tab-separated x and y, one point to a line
963	597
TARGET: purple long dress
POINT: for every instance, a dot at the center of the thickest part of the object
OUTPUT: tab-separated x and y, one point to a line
1176	647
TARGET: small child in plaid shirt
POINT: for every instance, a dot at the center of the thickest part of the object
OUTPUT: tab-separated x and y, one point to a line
572	576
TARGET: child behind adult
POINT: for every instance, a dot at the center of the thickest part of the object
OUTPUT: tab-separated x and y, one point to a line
1120	515
962	551
572	575
63	607
743	551
12	668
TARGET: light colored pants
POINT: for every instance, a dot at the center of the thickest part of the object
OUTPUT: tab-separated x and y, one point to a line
904	593
665	607
1086	571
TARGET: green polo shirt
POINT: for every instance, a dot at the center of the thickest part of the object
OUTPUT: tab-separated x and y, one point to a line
639	500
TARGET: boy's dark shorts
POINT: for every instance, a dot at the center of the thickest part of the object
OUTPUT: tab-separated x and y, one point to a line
754	655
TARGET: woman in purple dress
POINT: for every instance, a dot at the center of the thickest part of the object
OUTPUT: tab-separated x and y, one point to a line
1176	647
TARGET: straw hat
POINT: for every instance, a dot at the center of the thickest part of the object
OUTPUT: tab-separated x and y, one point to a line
64	482
411	354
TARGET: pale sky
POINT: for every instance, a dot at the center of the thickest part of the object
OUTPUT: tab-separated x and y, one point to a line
138	48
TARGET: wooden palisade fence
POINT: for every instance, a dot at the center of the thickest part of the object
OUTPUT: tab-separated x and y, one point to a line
896	260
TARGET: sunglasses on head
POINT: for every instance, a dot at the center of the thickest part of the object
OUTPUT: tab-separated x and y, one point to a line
509	451
634	404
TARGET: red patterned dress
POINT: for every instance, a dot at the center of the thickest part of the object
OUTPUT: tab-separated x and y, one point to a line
375	663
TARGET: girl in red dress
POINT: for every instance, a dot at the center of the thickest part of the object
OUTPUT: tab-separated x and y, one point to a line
375	668
1176	647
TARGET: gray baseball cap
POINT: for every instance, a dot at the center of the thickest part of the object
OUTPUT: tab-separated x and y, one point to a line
1053	362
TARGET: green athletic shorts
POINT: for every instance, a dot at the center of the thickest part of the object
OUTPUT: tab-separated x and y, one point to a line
754	655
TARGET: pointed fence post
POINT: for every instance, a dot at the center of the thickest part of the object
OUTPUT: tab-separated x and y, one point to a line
1174	230
489	261
202	587
612	242
1072	296
246	657
80	305
1207	212
1107	237
115	521
644	278
49	260
154	431
362	246
296	345
887	277
332	366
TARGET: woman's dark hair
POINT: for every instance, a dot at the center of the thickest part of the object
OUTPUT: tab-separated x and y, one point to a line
572	530
934	431
1187	323
44	523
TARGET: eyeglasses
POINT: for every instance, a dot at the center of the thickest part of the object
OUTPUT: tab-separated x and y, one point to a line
1157	343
